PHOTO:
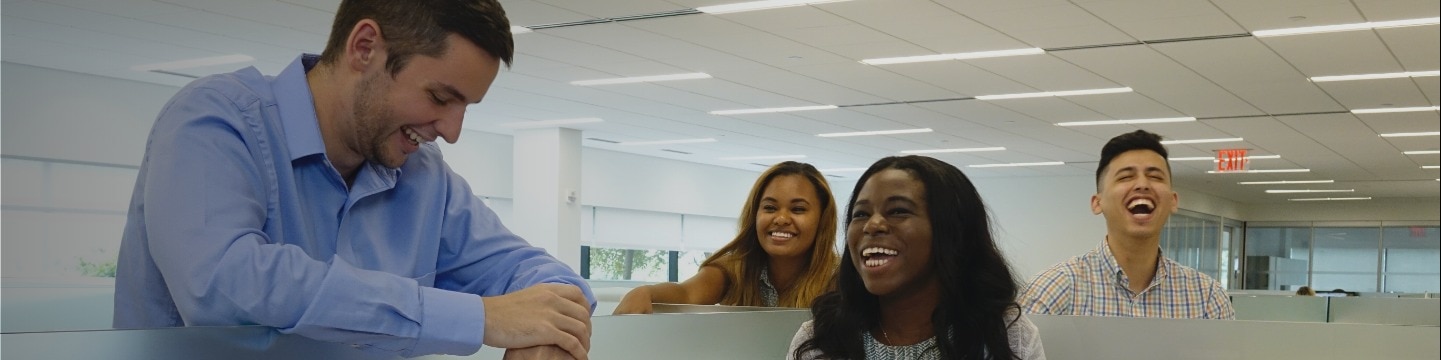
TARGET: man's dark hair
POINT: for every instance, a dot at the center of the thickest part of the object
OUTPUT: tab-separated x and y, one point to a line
419	27
1135	140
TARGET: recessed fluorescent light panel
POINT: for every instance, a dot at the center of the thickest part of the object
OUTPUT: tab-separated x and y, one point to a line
549	123
1260	171
1346	27
1393	110
1123	122
1332	199
1213	159
515	30
1308	191
767	157
1431	166
668	142
960	150
1375	76
1426	133
1283	182
1055	93
956	56
772	110
195	63
1047	163
1199	141
759	5
641	79
877	132
1422	152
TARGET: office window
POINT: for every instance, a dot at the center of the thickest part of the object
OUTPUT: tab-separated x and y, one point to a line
1412	256
689	263
63	219
1345	258
1277	258
629	264
670	249
1195	240
1232	241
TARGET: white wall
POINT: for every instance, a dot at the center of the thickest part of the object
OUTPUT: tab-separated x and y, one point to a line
627	181
484	160
65	115
611	179
1040	221
1208	204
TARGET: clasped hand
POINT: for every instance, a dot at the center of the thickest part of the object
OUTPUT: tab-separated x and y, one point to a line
538	316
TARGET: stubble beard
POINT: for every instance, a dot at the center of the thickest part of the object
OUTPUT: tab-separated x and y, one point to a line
371	115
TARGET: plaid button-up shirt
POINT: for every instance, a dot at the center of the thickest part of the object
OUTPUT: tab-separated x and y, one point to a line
1093	284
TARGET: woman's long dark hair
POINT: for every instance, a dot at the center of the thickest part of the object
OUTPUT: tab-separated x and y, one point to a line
977	288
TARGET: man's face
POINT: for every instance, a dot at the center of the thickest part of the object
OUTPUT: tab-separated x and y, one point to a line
425	100
1135	195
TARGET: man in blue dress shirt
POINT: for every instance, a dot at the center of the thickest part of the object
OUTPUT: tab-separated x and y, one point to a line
315	202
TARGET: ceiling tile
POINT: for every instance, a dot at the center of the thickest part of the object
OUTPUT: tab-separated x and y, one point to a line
1282	14
1370	94
959	77
1386	10
875	81
1416	47
1342	53
1164	19
609	9
1159	77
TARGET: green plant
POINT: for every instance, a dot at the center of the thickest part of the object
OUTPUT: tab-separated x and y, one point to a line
621	264
97	269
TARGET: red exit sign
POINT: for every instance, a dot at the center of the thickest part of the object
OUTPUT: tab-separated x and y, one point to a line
1231	160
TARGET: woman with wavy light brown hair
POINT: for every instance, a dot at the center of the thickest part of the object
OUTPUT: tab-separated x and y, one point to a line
783	256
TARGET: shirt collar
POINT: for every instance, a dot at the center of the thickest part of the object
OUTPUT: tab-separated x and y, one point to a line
297	108
1109	259
766	278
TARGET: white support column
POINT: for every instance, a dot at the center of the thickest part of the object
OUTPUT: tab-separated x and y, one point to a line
547	191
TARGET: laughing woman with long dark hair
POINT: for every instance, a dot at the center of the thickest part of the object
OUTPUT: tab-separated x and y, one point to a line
922	277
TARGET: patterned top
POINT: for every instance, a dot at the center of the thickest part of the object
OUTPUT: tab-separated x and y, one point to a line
1022	335
1094	285
924	350
769	295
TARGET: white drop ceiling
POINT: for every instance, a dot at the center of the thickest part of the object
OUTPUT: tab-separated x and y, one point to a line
1239	86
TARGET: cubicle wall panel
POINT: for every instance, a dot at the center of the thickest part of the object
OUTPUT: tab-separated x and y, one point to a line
1106	338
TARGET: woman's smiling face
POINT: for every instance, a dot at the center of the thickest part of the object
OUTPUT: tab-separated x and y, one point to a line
889	236
787	217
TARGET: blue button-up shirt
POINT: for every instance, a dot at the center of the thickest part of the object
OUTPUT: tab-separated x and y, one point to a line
238	218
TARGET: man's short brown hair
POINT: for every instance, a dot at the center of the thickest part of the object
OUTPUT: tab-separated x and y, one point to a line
419	27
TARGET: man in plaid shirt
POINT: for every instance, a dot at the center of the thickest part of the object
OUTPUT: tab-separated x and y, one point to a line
1126	275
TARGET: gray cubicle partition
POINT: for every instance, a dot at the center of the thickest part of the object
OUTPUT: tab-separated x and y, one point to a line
1109	338
1279	308
1396	311
714	335
767	334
